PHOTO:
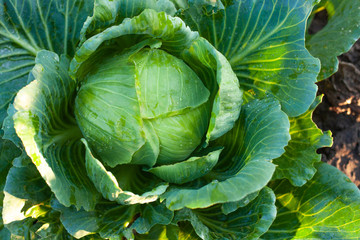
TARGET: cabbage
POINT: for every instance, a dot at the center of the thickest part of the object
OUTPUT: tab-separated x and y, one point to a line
159	119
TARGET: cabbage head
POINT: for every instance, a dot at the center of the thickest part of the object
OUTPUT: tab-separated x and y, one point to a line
164	119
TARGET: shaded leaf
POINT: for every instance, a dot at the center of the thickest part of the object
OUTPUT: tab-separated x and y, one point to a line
106	183
248	222
170	232
8	127
340	33
108	219
151	215
23	207
8	151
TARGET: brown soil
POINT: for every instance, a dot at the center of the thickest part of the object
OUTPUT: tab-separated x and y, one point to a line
340	110
340	113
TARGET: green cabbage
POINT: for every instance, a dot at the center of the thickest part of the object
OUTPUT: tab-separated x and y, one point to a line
165	119
149	107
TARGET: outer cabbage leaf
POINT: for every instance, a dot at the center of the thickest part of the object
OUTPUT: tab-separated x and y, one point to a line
51	138
326	207
249	222
296	164
8	127
337	37
24	207
187	170
172	33
4	232
244	167
108	219
264	42
54	230
207	61
151	215
170	232
109	12
111	220
27	210
26	26
8	151
10	134
106	183
230	207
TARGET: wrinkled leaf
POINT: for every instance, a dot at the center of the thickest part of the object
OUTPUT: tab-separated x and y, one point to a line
259	136
187	170
172	33
23	207
151	215
106	183
46	126
249	222
296	164
177	39
110	12
108	219
206	60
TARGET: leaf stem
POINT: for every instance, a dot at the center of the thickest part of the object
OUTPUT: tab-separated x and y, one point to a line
66	27
46	29
24	44
28	34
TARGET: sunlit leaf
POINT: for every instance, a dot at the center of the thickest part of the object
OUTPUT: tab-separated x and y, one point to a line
326	207
264	42
46	125
297	163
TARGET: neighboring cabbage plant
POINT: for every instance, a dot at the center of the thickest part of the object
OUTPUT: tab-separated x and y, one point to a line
166	119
